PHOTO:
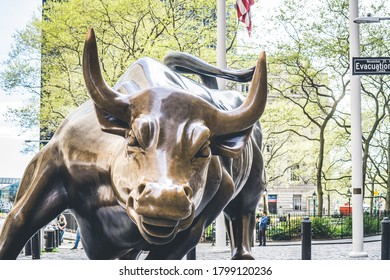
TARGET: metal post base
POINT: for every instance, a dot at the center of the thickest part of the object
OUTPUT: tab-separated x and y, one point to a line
358	255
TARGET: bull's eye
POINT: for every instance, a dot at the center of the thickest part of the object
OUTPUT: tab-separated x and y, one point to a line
133	145
204	151
132	140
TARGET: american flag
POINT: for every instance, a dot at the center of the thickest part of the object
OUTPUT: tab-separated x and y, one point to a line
243	12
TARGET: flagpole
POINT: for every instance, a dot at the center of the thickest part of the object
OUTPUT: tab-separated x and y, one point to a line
220	232
221	39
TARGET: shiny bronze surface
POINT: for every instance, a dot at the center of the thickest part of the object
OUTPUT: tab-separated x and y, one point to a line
147	164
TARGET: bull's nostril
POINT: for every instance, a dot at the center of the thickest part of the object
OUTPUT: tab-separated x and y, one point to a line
141	188
188	191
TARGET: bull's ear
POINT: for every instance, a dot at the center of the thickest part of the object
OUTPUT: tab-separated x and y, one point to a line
230	145
110	124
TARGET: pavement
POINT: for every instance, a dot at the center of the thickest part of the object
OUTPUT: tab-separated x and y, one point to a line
287	250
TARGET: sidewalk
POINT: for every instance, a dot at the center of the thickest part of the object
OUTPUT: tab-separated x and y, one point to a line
289	250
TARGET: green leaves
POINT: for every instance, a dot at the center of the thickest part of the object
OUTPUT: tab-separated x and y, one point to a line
126	30
310	73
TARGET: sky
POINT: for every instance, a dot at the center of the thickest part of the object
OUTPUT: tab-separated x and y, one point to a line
14	15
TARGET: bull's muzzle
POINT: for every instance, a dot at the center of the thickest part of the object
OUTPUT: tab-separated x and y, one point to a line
161	211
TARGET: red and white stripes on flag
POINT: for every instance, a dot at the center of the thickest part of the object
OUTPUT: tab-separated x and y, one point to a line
243	12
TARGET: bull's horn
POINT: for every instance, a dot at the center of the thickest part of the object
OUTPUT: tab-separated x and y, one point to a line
101	93
246	115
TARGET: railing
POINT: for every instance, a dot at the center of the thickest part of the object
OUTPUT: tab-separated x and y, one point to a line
288	227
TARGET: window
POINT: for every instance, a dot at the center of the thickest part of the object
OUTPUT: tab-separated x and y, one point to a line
272	203
297	202
294	173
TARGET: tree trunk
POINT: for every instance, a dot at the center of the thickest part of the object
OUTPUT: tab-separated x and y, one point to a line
319	172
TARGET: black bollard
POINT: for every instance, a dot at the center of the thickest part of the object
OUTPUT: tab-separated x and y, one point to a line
191	255
306	238
385	251
27	248
49	237
36	246
57	236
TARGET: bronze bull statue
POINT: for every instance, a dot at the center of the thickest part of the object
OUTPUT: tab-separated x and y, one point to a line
148	164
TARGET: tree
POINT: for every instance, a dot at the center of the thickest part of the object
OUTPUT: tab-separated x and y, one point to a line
307	75
376	117
311	70
284	150
126	30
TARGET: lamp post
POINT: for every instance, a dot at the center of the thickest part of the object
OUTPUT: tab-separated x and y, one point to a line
356	138
314	203
349	194
356	130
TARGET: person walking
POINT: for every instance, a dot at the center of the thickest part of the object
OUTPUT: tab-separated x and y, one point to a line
61	225
264	222
77	240
258	227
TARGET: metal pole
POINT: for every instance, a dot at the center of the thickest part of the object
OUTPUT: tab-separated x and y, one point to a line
385	250
27	248
191	255
314	207
349	206
356	138
306	238
36	245
221	39
220	233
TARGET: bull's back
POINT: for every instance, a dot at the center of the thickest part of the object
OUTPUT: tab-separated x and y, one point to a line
147	72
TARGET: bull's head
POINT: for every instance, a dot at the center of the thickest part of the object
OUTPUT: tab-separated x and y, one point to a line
170	136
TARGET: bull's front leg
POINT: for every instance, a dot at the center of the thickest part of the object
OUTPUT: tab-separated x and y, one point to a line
240	219
240	228
240	212
188	239
40	198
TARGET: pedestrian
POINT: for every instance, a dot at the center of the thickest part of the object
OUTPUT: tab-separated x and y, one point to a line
264	222
77	240
258	227
61	223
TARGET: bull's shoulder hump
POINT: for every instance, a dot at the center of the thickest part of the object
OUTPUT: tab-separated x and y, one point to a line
225	99
145	73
